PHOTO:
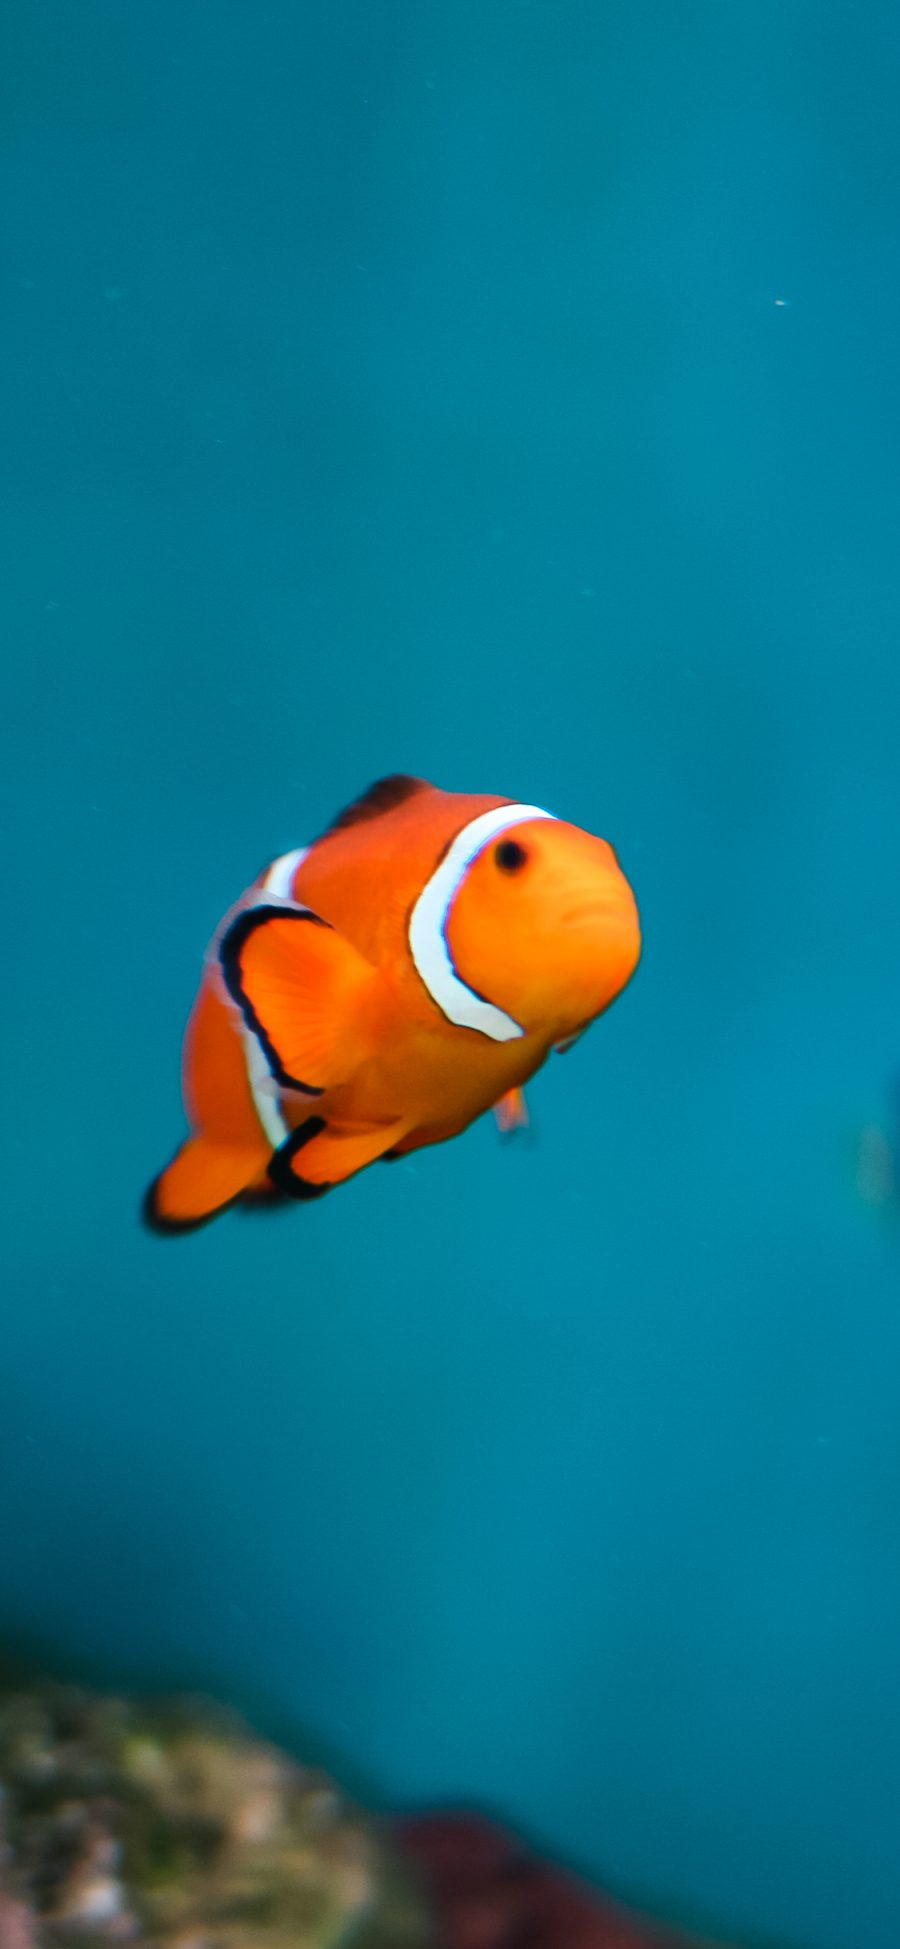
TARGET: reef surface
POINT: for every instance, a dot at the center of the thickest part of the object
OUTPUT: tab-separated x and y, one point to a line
168	1823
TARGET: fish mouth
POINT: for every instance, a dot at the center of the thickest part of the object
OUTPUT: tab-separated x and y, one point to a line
610	910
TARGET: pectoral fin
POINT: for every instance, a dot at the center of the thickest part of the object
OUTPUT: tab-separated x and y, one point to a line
511	1112
303	991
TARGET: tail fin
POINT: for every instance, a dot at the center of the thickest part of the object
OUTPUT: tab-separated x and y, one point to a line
202	1180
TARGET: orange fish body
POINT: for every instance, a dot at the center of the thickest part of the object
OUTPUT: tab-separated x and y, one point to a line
378	990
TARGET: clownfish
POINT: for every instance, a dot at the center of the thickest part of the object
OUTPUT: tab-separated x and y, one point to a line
376	991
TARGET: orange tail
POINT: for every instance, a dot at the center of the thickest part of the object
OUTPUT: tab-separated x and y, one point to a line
202	1179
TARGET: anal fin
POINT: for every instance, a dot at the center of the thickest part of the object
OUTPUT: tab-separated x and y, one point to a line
201	1180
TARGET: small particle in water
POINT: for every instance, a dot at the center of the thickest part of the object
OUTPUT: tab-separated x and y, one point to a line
50	607
783	304
111	292
431	79
25	283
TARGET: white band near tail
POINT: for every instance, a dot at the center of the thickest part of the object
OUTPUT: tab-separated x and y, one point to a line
278	882
428	926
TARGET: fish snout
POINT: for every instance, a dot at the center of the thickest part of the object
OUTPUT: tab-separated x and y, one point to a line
602	928
612	904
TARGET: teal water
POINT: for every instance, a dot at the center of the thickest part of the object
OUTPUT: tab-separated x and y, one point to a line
504	393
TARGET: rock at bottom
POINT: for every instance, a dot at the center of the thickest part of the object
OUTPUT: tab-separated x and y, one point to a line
168	1824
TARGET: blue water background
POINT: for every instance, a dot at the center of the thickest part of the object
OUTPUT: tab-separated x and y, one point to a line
507	393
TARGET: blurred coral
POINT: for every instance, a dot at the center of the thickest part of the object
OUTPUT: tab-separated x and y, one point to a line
168	1823
490	1893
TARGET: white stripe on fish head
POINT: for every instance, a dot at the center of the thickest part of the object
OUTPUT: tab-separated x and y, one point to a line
428	925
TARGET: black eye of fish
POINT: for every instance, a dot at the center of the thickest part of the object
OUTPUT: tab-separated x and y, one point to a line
510	856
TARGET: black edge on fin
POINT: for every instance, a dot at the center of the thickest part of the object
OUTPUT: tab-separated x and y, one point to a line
259	1199
378	798
284	1179
153	1221
569	1041
230	958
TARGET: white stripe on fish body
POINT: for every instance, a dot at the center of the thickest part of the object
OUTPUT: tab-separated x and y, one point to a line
428	925
280	875
277	884
263	1090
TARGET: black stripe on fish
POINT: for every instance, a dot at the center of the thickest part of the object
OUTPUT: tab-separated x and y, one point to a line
283	1177
230	957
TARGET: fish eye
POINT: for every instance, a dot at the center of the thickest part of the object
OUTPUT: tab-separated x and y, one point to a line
510	856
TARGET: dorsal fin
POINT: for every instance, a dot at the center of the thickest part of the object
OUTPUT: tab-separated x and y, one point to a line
380	797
